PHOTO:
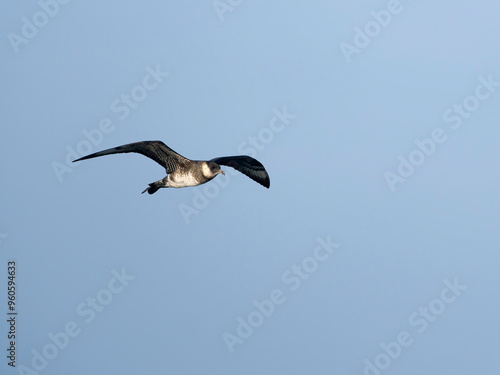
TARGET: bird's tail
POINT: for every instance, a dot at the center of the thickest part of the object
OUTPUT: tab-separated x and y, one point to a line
154	187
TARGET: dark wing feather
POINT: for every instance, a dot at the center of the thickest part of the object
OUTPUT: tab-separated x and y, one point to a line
156	150
248	166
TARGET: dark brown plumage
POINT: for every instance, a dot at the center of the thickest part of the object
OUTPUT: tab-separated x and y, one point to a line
183	172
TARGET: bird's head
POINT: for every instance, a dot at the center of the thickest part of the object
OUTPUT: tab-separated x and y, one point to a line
211	169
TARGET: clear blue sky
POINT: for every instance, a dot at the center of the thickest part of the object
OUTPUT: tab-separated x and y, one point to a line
375	251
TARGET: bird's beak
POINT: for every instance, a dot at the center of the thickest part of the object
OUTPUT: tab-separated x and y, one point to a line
221	171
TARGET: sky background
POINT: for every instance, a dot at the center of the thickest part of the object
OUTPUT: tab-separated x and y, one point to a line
414	260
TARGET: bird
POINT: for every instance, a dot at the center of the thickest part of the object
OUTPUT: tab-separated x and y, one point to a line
184	172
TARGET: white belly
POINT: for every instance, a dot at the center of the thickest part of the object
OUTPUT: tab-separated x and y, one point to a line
181	180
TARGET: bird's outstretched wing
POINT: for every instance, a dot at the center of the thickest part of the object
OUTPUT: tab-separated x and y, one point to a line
156	150
248	166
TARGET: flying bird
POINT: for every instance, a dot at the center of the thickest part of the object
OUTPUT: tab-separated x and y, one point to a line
183	172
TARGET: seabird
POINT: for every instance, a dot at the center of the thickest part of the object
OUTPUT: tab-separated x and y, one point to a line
183	172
